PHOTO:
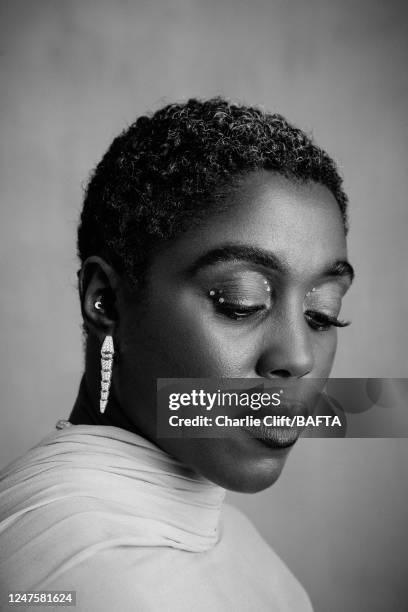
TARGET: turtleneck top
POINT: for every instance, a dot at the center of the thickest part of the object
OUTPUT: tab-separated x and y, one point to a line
106	513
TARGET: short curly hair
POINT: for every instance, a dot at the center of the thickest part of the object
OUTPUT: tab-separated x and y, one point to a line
170	170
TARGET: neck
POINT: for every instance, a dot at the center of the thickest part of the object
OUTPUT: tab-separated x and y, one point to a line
86	409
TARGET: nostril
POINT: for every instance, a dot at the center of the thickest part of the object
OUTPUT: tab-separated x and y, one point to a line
280	373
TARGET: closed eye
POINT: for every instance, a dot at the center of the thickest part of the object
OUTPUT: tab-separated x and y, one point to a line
320	321
238	311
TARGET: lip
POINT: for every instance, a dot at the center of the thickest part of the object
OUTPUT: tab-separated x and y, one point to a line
275	436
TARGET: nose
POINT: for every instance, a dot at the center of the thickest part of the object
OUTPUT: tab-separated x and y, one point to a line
286	350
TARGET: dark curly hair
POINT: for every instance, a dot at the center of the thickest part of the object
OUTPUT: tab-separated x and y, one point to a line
173	168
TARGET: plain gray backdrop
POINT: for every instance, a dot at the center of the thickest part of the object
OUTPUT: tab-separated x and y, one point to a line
76	72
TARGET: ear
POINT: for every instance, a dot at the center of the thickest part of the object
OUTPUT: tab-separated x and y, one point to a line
98	286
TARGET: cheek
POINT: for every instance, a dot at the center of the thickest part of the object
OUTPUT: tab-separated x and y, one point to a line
195	345
325	345
184	339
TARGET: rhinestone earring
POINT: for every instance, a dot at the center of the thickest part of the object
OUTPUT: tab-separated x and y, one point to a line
107	352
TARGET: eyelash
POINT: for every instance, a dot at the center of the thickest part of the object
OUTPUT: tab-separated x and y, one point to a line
236	312
316	320
322	322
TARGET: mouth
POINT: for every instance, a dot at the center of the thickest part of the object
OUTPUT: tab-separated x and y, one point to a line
277	430
274	437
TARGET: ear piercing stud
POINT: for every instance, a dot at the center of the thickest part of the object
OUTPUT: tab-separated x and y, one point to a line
98	305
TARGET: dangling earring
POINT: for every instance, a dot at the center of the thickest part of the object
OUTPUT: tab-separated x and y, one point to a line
107	351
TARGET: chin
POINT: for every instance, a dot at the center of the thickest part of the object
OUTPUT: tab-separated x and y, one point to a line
248	469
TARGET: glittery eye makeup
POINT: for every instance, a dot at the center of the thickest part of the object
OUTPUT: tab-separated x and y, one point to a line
240	294
241	290
322	307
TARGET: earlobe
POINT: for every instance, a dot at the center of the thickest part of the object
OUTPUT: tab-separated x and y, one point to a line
98	285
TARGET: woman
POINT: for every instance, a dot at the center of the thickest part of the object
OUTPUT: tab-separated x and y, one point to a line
212	244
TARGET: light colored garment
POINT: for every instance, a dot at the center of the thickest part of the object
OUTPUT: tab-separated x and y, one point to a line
106	513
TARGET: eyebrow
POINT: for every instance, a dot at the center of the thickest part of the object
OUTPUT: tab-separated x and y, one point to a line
341	269
262	257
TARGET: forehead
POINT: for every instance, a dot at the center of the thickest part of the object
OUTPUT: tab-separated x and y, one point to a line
300	223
